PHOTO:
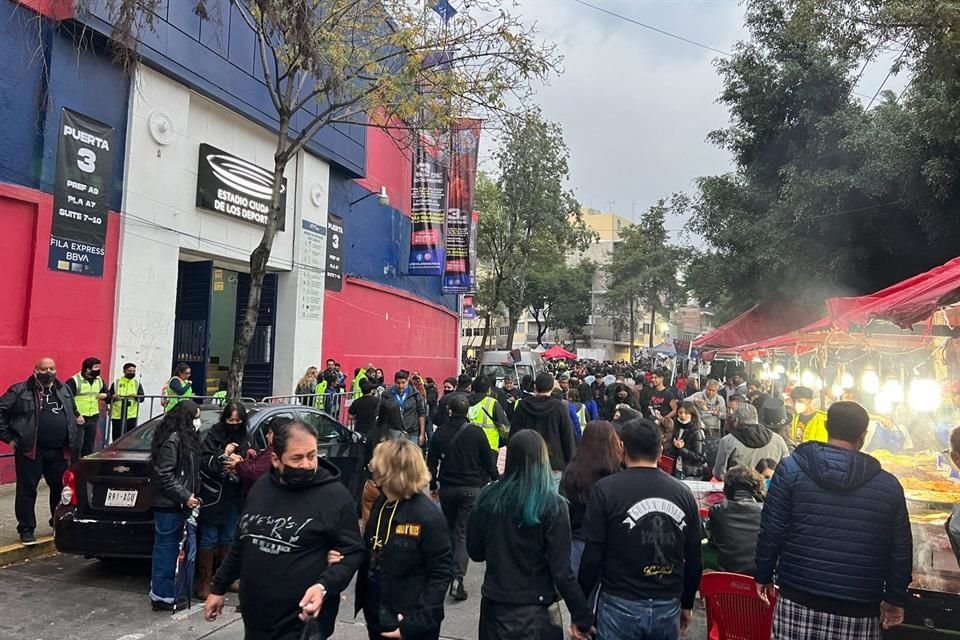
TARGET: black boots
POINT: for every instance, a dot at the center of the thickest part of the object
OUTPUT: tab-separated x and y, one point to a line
457	592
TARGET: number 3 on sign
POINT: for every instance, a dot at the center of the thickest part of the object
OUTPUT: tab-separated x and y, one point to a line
87	160
335	240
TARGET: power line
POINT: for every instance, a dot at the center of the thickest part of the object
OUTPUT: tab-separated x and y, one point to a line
675	36
653	28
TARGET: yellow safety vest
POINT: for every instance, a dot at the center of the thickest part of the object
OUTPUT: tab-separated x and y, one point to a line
220	397
124	387
356	384
482	414
815	430
173	399
87	402
321	390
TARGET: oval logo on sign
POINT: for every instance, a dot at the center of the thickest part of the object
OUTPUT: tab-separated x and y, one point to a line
245	177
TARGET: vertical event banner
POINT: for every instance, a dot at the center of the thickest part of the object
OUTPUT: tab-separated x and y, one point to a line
78	235
460	264
334	279
426	210
313	265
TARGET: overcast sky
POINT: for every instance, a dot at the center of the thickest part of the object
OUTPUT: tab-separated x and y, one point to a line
635	105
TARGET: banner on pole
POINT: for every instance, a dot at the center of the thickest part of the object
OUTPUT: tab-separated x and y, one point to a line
426	210
459	269
78	235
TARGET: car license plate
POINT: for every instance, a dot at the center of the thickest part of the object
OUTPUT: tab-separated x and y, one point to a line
120	498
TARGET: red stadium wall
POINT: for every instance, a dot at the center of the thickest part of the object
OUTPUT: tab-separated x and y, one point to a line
46	313
389	165
368	322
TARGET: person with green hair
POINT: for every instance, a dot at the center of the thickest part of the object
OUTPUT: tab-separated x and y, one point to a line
521	529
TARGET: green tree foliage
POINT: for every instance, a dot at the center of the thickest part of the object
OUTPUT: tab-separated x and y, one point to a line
528	218
644	269
393	64
827	197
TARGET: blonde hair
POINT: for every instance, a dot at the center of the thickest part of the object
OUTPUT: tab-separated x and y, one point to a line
303	381
399	468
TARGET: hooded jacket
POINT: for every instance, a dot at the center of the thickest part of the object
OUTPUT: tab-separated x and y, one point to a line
747	445
413	406
610	407
20	415
550	418
837	525
280	550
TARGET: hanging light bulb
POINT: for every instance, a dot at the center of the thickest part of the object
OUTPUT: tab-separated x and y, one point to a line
893	390
846	381
883	404
870	381
924	395
836	391
779	369
808	379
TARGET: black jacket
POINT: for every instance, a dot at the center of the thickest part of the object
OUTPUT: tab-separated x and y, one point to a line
469	463
610	406
835	527
412	571
733	530
527	565
280	550
20	414
217	491
551	419
692	454
174	475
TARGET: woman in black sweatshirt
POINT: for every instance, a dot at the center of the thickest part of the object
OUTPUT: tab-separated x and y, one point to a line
401	585
521	529
293	518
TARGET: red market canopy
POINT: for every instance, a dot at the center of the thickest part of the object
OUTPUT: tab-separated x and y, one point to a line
903	304
766	320
556	352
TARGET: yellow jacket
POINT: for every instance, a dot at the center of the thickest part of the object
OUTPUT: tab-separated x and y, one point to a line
815	430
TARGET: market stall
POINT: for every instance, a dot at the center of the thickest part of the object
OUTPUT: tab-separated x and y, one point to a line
895	352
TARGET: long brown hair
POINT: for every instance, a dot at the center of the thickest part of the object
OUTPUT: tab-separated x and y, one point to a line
597	457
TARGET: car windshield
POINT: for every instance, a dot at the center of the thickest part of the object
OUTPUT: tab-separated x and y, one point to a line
501	371
140	438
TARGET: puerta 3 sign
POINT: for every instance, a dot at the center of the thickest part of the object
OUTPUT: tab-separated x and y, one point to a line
235	187
82	185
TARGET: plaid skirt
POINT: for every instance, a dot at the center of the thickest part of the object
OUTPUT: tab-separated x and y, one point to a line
792	621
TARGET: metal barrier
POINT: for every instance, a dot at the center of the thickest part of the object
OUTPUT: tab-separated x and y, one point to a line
335	404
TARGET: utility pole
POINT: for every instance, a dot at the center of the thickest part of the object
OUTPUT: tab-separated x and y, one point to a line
633	326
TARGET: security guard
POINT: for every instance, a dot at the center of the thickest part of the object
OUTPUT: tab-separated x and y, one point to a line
361	375
179	388
124	398
88	390
808	423
486	412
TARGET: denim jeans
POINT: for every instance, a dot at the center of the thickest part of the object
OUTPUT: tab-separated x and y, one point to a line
621	619
168	532
219	534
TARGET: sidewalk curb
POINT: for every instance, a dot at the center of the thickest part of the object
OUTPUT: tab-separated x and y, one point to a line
13	553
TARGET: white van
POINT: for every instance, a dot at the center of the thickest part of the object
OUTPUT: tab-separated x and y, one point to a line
500	364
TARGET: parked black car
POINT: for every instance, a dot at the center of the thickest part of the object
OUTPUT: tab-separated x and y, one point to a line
106	506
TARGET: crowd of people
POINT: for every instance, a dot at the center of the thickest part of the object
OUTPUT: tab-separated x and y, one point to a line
567	487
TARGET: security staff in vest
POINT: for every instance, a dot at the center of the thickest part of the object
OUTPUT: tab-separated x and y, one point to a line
124	398
88	390
487	412
180	387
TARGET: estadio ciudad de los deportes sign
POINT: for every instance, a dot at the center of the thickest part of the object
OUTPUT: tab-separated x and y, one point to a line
236	187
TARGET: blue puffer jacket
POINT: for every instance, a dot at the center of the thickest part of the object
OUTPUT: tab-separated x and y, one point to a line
837	523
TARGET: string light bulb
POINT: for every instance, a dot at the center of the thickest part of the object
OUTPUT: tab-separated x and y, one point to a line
924	395
870	381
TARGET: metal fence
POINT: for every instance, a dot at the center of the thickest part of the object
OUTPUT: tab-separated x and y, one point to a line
335	404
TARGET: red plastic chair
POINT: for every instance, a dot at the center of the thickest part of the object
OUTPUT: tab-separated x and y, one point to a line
734	610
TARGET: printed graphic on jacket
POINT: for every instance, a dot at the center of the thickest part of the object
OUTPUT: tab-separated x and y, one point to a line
270	534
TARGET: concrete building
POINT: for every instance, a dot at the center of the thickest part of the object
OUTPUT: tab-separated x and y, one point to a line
166	277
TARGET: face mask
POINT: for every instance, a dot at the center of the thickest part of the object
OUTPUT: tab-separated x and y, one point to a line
800	407
93	374
683	420
44	377
130	376
766	484
197	423
296	477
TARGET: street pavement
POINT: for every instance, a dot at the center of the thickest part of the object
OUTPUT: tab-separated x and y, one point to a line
62	597
8	523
